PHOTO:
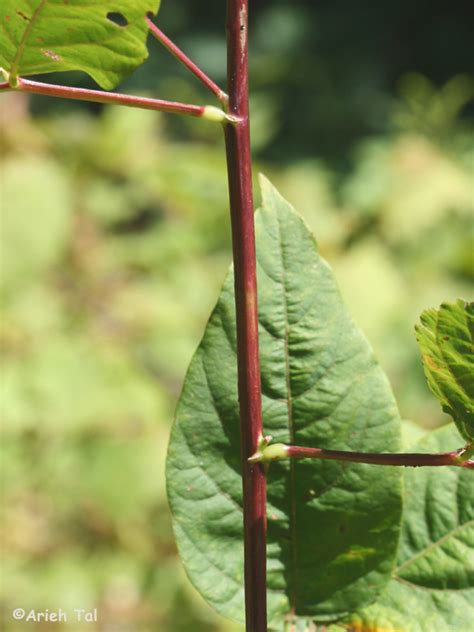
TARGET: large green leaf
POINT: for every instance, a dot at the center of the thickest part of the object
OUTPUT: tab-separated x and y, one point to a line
332	528
432	589
446	339
105	39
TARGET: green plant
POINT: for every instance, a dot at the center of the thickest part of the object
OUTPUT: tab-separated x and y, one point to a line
321	385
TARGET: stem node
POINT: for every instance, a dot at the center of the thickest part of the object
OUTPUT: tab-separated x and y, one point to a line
216	115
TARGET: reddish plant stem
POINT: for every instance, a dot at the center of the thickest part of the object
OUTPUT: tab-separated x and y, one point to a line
237	137
409	459
186	61
98	96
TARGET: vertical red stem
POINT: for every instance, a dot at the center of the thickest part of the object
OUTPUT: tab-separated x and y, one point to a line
239	167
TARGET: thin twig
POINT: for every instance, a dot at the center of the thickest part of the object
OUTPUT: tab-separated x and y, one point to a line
279	451
207	112
186	61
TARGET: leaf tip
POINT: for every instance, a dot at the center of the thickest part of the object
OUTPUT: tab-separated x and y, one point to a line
266	188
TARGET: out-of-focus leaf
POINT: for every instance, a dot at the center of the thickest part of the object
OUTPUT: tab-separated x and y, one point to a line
118	473
309	184
410	185
36	214
430	111
105	39
69	383
33	312
446	339
264	117
372	286
433	584
128	140
427	186
332	528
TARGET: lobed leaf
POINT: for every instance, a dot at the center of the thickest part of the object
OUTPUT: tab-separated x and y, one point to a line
332	528
432	589
107	40
446	340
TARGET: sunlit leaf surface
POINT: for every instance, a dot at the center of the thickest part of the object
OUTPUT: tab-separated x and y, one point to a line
432	589
333	528
107	39
446	339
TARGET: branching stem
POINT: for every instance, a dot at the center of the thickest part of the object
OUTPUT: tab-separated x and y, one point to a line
277	451
207	112
186	61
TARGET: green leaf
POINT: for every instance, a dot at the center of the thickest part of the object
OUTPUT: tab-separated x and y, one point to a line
432	589
332	528
446	342
411	433
106	39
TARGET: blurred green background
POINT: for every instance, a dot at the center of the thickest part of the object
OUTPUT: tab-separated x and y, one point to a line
115	240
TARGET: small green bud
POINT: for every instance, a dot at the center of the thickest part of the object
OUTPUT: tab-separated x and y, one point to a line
267	453
466	453
12	80
211	113
5	74
274	452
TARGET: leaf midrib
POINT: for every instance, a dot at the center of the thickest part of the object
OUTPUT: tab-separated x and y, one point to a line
291	430
431	589
21	47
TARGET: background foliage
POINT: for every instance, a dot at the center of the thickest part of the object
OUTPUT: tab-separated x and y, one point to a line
115	241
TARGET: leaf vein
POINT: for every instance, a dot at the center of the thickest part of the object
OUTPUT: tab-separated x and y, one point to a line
434	545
